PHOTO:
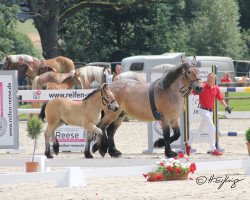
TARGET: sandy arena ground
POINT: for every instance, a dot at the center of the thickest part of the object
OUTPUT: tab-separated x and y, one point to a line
131	139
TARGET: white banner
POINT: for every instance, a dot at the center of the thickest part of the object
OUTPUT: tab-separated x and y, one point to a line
45	95
70	138
8	110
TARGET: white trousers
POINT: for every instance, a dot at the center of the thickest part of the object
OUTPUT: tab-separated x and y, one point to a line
206	124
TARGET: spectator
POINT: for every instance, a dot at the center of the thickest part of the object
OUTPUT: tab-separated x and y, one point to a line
118	70
206	100
243	79
24	71
226	78
44	68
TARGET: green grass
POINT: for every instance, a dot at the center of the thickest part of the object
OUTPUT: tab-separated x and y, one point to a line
238	104
26	27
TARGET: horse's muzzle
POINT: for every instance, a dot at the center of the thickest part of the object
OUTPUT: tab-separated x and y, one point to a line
198	89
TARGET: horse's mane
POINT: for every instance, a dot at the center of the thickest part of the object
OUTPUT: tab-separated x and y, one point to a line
91	94
169	77
15	58
92	71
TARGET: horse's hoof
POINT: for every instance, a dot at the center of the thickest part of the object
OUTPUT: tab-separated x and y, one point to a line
88	155
94	148
56	148
102	153
48	155
159	143
115	153
171	154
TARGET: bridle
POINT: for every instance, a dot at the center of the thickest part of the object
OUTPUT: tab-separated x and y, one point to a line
105	100
185	90
8	59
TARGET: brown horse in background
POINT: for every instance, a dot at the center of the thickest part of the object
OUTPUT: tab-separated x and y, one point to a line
60	64
85	114
133	98
69	83
57	78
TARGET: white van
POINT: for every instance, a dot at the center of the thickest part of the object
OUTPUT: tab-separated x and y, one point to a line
224	64
144	62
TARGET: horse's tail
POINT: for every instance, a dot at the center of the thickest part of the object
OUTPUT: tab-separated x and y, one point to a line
42	112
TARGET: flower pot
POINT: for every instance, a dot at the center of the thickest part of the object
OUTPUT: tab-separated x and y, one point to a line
32	166
177	177
248	147
155	176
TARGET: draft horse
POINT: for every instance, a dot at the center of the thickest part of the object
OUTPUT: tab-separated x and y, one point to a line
93	76
85	113
57	78
60	64
161	100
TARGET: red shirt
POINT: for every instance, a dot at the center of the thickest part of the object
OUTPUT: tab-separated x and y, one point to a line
225	80
208	94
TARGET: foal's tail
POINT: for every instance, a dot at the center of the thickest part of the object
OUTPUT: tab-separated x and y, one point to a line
42	112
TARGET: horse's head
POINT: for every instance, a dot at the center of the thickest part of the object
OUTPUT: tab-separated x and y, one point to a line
6	62
108	98
77	82
191	76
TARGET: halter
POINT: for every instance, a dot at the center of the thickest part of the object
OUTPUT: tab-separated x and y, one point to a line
8	59
104	99
185	90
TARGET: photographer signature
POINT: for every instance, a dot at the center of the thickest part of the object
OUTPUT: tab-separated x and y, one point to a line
221	180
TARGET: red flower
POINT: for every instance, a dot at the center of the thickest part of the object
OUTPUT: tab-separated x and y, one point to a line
159	176
177	170
181	155
145	175
170	168
162	164
192	168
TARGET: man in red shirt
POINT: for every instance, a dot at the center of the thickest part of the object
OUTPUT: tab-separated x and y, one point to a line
206	99
226	78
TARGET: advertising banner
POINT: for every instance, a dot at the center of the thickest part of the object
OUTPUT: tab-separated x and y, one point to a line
9	135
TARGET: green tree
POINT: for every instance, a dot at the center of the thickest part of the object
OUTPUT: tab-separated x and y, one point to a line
50	16
215	29
11	41
102	35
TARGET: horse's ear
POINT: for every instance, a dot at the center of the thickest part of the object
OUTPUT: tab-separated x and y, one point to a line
182	59
105	86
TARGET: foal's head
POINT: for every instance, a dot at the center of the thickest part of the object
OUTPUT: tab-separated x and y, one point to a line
108	98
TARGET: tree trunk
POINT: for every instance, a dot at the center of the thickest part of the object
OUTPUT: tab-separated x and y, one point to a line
47	26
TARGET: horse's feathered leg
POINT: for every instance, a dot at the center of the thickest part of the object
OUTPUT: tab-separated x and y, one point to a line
113	152
87	153
47	145
166	135
94	129
177	134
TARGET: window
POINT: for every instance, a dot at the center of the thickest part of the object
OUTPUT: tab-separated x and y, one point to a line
137	67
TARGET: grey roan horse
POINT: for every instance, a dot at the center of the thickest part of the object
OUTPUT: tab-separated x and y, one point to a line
134	99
